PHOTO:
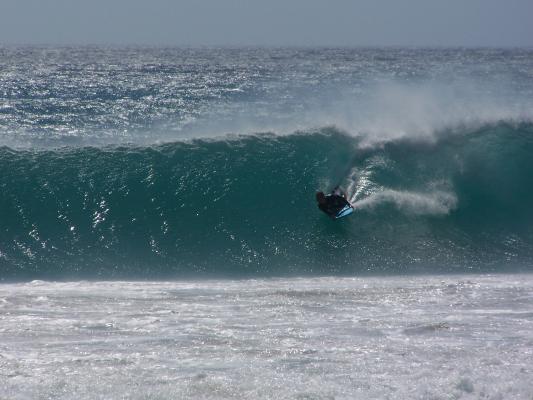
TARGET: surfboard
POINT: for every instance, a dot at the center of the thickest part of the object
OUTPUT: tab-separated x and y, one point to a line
347	210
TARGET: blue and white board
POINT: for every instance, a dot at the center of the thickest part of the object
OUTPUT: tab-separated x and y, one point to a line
347	210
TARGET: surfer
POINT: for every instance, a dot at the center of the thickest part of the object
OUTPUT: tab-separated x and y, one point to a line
332	204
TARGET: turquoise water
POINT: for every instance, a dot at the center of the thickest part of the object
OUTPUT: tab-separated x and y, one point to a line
152	163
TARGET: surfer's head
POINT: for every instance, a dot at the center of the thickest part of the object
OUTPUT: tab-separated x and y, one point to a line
320	197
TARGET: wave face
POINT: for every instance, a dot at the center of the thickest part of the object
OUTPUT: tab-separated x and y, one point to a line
161	162
245	206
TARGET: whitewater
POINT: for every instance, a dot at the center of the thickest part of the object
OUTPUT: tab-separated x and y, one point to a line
159	236
439	337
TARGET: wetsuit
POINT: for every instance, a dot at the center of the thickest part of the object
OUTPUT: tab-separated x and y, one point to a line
334	203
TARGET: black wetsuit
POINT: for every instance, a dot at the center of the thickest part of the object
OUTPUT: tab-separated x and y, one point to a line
334	203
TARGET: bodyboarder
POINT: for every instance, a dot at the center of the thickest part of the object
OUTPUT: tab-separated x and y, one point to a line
332	204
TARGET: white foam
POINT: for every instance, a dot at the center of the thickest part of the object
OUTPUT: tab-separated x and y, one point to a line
343	338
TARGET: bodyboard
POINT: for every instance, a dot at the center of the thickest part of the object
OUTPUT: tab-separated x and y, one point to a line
347	210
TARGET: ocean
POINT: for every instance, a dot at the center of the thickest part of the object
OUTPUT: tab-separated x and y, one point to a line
159	236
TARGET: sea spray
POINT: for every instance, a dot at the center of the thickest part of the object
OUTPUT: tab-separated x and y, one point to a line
432	203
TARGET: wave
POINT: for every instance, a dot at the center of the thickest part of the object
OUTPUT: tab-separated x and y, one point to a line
244	206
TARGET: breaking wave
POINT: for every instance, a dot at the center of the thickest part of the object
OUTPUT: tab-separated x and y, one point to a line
244	206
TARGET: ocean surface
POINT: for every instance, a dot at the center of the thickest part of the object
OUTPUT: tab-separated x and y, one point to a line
159	236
